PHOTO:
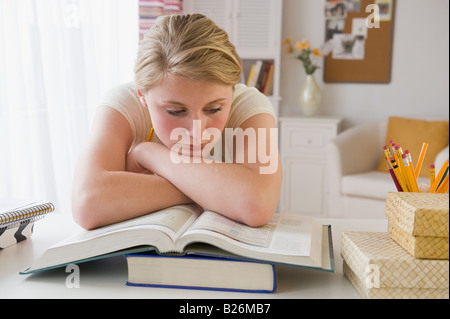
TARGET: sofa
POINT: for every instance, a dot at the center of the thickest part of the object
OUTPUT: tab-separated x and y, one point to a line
357	188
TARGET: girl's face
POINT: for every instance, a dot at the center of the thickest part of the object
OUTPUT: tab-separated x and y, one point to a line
177	102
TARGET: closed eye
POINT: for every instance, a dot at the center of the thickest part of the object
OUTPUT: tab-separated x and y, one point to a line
175	112
215	110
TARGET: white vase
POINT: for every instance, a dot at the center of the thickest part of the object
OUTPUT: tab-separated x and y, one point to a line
310	96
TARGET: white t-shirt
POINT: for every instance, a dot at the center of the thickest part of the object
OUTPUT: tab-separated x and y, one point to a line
247	102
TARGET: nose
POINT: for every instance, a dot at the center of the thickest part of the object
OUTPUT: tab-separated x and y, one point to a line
196	128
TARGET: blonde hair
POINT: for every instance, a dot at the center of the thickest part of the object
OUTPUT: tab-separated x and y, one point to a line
191	46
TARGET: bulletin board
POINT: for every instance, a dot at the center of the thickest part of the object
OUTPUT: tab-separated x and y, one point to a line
362	45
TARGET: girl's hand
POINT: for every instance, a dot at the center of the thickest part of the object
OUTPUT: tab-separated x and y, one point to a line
133	164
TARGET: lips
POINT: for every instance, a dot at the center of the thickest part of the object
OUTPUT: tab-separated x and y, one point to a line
196	145
193	149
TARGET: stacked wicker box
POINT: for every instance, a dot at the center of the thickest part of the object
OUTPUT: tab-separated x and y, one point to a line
409	261
379	268
419	222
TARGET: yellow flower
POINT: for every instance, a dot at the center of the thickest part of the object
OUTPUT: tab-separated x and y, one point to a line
289	49
316	52
287	41
304	53
302	45
299	45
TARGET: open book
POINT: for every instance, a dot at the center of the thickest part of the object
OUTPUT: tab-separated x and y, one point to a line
287	239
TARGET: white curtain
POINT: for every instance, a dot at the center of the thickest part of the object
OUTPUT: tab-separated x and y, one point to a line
57	57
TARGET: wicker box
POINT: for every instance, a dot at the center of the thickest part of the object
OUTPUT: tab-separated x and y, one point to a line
419	222
380	268
393	293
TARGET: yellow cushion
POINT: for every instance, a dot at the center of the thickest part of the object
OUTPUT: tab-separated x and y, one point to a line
410	134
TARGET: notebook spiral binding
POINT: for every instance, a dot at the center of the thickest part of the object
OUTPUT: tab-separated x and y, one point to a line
27	215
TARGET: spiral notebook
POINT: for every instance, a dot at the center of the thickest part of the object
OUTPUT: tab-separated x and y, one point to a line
17	219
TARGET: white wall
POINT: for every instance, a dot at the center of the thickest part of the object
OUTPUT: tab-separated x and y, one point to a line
420	65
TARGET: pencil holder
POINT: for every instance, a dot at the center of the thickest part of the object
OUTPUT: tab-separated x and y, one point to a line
419	222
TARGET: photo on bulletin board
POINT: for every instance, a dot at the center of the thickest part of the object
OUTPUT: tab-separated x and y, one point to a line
361	34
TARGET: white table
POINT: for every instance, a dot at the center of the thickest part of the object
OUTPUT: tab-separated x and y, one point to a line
106	278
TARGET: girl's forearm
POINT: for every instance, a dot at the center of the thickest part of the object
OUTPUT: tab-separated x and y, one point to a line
113	196
230	189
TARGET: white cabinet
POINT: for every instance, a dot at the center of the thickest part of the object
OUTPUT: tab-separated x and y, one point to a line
302	148
254	27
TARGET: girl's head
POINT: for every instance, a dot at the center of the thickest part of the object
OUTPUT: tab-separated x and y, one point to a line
185	71
190	46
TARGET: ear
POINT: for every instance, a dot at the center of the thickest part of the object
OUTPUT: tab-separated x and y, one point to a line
141	98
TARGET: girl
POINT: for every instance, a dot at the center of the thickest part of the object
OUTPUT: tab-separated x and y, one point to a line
186	77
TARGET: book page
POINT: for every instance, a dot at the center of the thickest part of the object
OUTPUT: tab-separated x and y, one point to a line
260	236
285	234
173	221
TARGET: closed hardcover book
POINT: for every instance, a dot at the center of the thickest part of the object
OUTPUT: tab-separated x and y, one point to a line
200	272
255	73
